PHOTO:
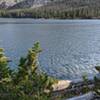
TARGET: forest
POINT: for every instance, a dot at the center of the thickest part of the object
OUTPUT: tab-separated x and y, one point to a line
56	9
82	13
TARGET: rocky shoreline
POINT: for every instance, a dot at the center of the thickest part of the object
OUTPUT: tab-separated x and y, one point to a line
80	89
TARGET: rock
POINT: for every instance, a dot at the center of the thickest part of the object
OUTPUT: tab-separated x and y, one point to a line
54	4
98	76
88	96
4	4
61	84
30	4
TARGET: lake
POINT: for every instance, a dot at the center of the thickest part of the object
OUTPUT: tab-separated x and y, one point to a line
71	48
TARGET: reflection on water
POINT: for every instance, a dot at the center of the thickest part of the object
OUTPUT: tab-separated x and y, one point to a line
71	48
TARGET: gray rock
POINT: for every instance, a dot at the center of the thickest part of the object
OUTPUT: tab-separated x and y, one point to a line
88	96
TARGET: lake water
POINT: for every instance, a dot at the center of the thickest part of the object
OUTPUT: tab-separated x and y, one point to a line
71	48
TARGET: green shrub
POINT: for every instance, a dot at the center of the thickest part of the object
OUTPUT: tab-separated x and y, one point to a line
27	83
97	81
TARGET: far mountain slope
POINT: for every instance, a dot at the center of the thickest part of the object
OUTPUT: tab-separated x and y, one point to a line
30	4
8	3
57	4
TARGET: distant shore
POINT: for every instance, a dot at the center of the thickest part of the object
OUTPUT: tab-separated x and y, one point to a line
42	13
94	18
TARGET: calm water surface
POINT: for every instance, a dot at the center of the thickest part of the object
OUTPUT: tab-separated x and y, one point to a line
71	48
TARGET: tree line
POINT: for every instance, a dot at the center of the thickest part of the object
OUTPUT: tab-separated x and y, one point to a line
72	13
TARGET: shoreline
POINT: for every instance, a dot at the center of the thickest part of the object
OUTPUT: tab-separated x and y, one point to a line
65	84
50	18
66	87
